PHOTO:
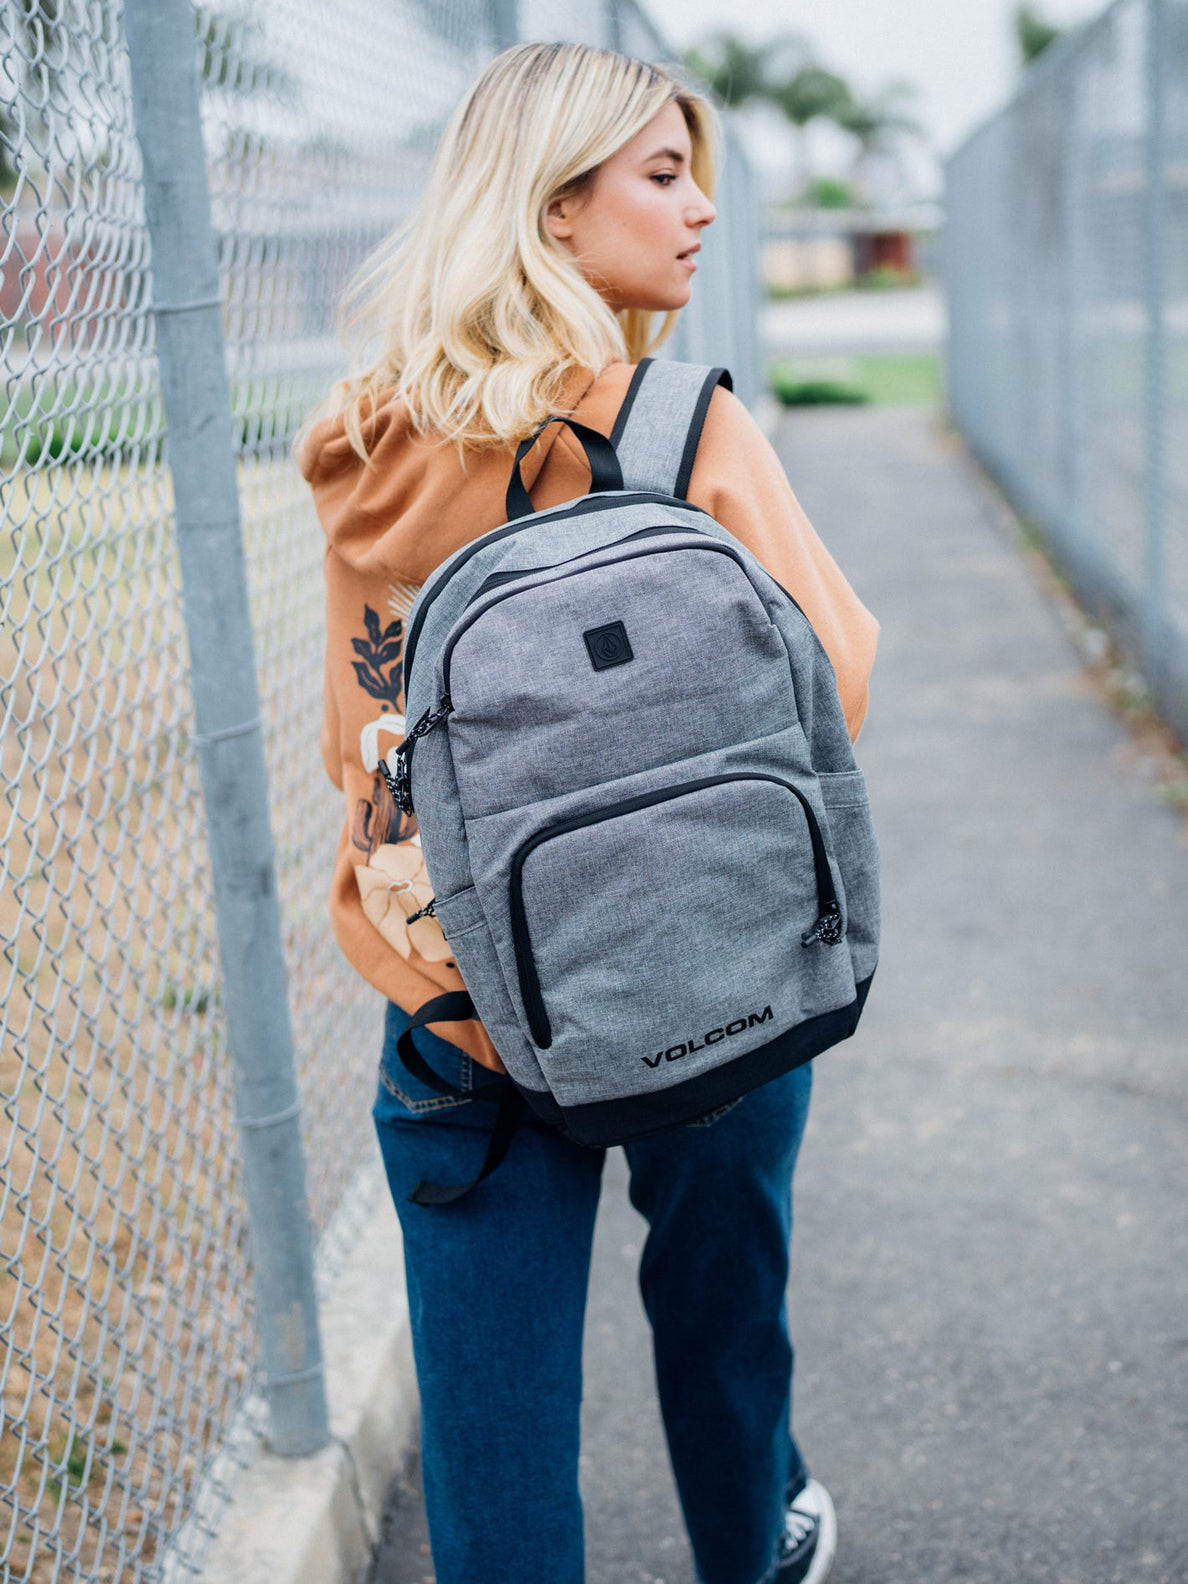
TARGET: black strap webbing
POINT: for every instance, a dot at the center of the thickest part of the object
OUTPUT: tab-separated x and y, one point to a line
455	1007
637	379
605	473
715	377
507	1119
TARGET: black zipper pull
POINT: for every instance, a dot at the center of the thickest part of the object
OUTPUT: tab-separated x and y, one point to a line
399	784
827	929
428	911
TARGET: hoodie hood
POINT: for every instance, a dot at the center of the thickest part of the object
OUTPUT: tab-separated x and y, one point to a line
417	499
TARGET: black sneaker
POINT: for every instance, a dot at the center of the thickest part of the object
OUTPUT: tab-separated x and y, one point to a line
809	1540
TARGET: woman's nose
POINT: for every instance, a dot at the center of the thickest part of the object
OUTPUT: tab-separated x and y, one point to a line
703	213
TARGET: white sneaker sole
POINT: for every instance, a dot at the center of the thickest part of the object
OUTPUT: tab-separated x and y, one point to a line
827	1536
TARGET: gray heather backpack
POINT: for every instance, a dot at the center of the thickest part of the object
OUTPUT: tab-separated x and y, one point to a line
651	850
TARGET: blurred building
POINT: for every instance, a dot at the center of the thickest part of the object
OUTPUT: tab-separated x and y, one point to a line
823	249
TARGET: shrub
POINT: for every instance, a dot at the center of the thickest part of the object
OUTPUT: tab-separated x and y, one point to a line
794	390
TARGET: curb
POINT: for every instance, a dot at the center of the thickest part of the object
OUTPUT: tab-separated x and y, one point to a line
315	1520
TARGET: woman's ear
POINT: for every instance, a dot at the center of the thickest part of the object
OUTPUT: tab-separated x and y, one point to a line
559	219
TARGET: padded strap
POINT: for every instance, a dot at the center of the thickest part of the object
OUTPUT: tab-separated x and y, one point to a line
660	422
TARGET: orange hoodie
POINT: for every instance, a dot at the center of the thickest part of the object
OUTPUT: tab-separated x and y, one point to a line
388	526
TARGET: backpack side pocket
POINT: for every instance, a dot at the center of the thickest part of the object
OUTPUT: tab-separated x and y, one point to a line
856	852
469	937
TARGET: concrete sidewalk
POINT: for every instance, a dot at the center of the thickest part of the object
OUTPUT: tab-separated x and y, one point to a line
990	1297
908	320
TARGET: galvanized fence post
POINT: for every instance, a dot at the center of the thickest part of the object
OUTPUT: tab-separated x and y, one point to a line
188	312
1155	481
505	23
1076	524
613	35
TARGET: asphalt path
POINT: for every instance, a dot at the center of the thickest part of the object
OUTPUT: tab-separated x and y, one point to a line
990	1283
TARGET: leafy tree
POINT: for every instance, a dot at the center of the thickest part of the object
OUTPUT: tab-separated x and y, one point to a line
42	58
233	57
1033	33
35	44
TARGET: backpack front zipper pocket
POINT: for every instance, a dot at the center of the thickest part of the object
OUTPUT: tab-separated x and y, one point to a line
535	578
760	896
535	717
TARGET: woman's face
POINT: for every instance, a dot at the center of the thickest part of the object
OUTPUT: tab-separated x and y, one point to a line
636	228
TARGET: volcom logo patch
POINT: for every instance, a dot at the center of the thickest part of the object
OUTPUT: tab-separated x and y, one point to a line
608	646
713	1037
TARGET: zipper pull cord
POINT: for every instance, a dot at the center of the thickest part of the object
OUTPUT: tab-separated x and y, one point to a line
399	784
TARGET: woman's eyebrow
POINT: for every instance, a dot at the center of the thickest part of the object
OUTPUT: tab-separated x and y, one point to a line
669	154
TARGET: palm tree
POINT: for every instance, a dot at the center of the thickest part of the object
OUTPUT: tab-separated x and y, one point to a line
1033	33
738	72
877	123
812	92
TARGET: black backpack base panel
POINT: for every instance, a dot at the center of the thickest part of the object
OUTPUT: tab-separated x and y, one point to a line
604	1123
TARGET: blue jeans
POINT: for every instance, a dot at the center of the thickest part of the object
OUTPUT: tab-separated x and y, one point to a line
497	1294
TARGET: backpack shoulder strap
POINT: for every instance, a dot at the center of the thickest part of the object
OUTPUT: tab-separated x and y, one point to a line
660	423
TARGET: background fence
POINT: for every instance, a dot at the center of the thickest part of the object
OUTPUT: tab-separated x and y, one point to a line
1067	277
126	1302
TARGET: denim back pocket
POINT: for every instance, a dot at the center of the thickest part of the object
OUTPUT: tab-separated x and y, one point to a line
399	1091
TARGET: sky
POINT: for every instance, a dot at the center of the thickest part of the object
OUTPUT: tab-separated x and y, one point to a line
961	54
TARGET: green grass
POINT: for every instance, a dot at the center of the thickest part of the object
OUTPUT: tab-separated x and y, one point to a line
885	278
101	421
191	999
903	379
78	1454
97	423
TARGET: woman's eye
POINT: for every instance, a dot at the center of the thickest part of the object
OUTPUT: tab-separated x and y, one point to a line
665	178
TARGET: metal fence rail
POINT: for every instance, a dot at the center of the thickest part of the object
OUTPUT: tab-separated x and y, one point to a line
1067	277
126	1285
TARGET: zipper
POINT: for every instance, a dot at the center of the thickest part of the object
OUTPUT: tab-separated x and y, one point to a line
498	579
399	782
827	930
591	503
575	571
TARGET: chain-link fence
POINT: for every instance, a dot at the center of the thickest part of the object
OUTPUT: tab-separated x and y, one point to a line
1067	275
126	1299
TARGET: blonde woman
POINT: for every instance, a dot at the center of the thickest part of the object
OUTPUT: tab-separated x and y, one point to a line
555	243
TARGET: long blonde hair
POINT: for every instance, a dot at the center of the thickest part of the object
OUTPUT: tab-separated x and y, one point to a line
478	314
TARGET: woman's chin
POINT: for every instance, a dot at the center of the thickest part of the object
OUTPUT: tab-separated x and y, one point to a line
667	301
